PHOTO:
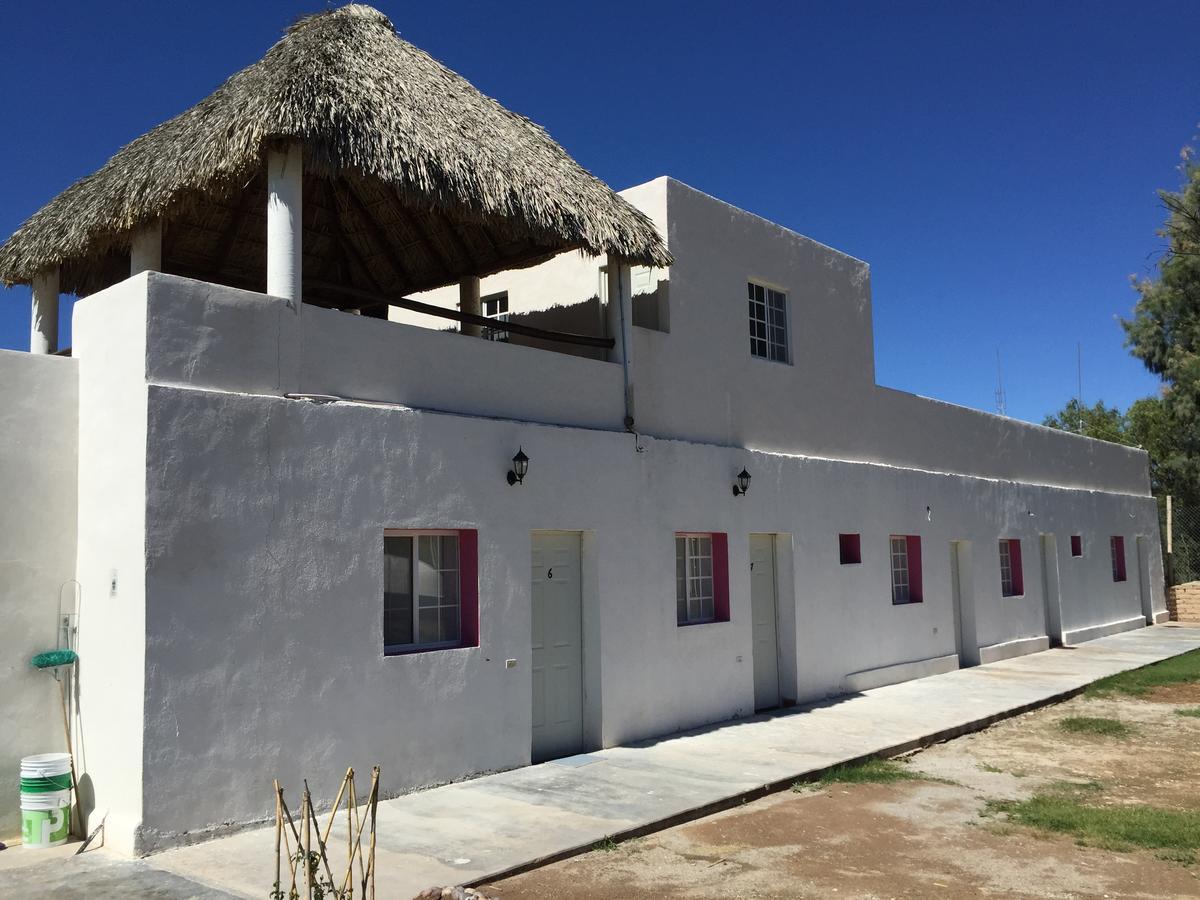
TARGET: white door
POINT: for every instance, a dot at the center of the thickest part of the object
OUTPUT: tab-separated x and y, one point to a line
966	643
557	642
763	612
1143	558
1052	588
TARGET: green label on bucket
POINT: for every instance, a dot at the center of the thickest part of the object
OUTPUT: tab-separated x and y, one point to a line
45	827
46	784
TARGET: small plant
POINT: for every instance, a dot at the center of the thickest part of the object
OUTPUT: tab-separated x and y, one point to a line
988	767
1191	712
1095	725
608	845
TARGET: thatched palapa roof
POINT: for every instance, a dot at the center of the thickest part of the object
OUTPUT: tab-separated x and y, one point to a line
413	178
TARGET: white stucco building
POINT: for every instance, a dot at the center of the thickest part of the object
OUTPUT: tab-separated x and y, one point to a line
300	547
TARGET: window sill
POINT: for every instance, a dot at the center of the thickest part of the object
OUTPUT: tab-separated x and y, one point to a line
414	651
701	624
908	603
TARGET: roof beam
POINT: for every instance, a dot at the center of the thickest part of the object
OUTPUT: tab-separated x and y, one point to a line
339	236
402	274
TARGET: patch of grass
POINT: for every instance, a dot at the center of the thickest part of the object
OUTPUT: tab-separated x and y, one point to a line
607	845
1182	857
1177	670
1192	712
988	767
1095	725
871	771
1073	788
1176	832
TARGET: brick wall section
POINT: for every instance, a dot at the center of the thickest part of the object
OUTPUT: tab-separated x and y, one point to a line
1183	602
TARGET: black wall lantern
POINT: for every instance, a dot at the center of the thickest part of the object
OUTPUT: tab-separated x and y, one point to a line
516	475
743	483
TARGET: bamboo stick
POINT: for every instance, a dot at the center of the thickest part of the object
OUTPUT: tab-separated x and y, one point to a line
374	807
321	844
278	835
350	833
336	804
304	805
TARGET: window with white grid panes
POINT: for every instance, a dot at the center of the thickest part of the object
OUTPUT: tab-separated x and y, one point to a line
694	593
768	323
421	591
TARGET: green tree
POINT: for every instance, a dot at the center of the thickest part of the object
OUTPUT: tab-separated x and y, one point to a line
1104	422
1164	334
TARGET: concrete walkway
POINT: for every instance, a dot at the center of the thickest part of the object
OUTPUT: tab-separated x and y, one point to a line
477	830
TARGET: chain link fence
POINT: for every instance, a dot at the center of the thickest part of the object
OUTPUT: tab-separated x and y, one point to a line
1180	524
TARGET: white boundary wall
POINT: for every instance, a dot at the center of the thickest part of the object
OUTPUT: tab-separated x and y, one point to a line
39	405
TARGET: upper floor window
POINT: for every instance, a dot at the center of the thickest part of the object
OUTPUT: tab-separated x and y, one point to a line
495	307
429	590
906	569
1117	545
1077	545
1012	576
768	323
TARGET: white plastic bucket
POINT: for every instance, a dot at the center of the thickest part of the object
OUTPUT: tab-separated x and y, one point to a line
45	800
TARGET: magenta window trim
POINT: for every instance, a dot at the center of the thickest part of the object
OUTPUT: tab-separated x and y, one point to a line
916	592
1117	545
720	549
850	549
1015	568
1077	545
468	591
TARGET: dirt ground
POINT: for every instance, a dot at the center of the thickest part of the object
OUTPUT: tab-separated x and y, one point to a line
924	838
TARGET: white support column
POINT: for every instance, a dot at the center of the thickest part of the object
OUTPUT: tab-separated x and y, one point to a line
468	302
619	321
145	253
43	328
285	179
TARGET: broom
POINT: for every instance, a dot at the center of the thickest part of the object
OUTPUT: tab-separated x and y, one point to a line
52	659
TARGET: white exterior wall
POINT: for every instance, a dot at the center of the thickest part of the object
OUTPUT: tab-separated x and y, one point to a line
244	642
38	458
110	344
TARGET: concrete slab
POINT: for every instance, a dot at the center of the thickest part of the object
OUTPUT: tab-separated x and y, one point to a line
479	829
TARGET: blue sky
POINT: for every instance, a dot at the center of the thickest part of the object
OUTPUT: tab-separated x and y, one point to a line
995	162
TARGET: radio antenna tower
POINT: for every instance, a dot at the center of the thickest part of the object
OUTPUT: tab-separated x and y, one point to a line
1079	380
1001	399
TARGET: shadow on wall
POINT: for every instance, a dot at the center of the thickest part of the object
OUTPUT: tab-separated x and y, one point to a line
587	317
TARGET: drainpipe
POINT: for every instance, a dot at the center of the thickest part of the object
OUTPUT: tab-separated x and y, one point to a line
620	327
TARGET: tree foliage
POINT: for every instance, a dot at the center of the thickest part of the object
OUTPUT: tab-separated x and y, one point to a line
1164	333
